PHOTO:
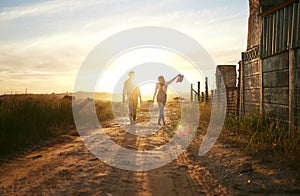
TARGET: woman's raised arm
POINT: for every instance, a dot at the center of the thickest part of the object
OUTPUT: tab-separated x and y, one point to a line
169	82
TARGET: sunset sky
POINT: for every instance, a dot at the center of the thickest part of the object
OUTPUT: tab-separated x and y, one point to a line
43	43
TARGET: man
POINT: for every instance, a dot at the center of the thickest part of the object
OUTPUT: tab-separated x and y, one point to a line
132	91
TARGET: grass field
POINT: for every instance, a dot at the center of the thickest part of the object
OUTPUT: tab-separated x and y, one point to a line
27	119
258	136
263	138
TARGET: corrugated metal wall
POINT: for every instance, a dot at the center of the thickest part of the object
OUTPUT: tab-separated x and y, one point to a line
280	30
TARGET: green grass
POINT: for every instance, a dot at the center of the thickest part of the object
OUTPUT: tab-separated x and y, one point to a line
26	120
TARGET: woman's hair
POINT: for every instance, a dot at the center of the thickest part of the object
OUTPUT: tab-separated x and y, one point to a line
161	80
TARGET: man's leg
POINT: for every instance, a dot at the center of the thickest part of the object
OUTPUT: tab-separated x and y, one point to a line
130	111
134	107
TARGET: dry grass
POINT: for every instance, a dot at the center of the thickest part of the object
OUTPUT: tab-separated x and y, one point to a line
265	139
27	119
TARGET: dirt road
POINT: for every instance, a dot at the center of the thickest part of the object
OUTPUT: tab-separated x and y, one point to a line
64	166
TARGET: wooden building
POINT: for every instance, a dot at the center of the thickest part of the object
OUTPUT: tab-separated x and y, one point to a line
270	68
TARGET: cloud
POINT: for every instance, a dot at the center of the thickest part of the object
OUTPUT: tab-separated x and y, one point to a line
49	39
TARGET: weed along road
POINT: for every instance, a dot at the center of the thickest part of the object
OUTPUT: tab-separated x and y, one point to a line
64	166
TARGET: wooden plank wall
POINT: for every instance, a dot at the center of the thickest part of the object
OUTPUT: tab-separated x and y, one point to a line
271	80
276	86
251	86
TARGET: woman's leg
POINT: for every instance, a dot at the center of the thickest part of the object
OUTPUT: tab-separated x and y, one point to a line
161	113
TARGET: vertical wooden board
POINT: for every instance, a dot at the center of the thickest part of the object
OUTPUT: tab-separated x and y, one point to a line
277	111
288	30
285	28
270	25
276	95
296	25
280	15
277	31
298	29
274	33
267	32
278	62
252	82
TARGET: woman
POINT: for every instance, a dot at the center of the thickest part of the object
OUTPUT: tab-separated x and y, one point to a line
161	97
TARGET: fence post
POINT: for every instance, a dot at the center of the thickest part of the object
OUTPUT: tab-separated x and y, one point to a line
191	93
206	89
292	73
241	90
198	91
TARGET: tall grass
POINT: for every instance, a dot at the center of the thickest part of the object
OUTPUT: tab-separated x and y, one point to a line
265	138
26	120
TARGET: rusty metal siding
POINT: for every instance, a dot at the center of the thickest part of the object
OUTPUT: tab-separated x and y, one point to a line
280	30
296	33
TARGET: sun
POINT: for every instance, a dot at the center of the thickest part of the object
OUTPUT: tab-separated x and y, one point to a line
147	90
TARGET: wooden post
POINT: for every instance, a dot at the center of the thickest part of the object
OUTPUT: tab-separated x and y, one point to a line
206	89
198	91
191	93
261	90
238	91
241	112
292	73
